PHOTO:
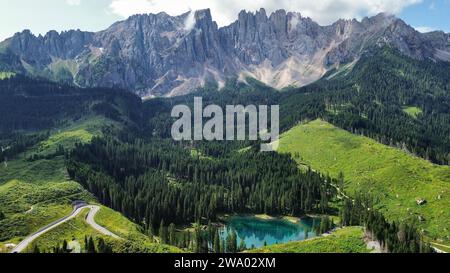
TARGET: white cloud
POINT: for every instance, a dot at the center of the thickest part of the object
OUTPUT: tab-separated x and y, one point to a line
424	29
225	11
190	21
73	2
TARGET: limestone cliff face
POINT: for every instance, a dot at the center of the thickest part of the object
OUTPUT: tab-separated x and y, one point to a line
162	55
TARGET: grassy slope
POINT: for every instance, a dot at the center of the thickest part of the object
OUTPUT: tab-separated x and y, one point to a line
34	194
135	240
396	178
116	223
29	207
346	240
82	131
73	230
76	229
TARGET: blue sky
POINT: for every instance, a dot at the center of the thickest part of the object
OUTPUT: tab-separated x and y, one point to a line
41	16
430	15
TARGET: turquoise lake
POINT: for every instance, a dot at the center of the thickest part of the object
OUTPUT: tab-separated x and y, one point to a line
255	231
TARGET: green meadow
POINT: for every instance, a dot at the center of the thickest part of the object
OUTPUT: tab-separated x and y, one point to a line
72	231
395	178
75	230
346	240
36	193
412	111
80	132
134	239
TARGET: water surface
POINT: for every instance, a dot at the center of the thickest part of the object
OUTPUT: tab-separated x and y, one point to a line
256	232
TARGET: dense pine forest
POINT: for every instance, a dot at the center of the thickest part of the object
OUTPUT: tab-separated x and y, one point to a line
33	104
163	181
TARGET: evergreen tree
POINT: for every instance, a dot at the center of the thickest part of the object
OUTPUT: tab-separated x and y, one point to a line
86	244
325	225
103	247
242	246
223	247
232	242
197	238
216	243
163	233
341	182
172	234
91	246
36	249
65	247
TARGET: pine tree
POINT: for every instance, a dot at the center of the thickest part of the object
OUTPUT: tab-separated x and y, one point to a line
242	246
197	238
341	182
91	245
216	243
210	231
172	234
103	247
86	244
232	242
150	231
222	246
65	247
36	249
163	232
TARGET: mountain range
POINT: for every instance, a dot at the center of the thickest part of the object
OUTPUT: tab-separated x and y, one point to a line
162	55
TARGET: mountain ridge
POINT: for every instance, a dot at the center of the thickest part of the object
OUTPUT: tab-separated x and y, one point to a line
163	55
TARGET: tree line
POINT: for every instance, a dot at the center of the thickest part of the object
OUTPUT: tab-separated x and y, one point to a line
395	237
91	245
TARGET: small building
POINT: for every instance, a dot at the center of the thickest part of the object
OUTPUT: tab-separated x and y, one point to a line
421	202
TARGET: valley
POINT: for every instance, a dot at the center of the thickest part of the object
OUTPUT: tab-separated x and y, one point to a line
363	155
36	188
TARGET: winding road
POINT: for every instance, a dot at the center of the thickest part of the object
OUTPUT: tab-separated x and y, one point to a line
90	220
93	209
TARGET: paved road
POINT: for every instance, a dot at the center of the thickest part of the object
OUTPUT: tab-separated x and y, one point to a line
76	211
90	220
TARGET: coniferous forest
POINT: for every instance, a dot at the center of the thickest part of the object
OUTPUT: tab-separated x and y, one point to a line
151	183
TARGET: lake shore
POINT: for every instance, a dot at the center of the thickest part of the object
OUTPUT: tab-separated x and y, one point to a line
291	219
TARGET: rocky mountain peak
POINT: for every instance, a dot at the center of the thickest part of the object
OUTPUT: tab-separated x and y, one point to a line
163	55
203	14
